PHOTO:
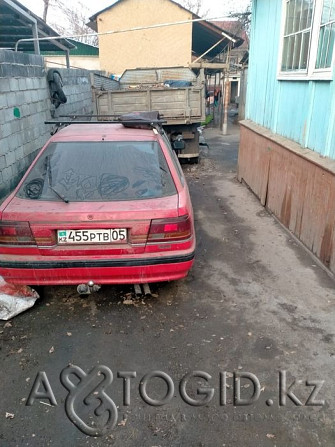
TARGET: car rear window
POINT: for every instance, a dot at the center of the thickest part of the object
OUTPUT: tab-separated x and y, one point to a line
99	171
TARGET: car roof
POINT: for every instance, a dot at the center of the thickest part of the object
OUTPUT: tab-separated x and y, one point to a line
106	130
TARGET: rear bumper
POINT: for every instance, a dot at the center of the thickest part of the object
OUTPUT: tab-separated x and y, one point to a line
100	271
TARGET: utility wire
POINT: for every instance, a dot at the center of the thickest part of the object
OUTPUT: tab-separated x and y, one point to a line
138	28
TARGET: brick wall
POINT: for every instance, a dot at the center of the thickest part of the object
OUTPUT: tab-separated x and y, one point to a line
169	46
25	105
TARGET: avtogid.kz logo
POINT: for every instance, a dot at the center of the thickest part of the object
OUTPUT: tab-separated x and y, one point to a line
92	395
86	397
90	408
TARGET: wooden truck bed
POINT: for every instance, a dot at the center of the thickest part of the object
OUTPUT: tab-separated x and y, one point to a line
175	105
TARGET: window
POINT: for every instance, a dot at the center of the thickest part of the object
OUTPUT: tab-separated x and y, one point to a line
308	37
326	36
297	34
174	158
99	171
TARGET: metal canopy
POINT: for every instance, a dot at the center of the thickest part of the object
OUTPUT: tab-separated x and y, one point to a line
205	35
18	22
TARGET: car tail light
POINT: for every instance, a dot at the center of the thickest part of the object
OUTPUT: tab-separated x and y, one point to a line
16	233
167	230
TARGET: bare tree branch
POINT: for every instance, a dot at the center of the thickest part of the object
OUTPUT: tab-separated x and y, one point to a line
195	6
74	23
243	17
45	9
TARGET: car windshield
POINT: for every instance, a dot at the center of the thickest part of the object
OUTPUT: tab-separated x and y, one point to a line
99	171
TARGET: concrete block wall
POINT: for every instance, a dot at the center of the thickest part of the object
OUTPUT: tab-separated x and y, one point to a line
25	105
78	91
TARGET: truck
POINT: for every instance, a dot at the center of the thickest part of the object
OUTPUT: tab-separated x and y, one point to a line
178	94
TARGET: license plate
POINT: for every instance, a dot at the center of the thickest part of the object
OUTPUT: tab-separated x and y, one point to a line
105	236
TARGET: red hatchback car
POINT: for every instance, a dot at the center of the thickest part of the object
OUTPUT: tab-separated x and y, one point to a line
101	204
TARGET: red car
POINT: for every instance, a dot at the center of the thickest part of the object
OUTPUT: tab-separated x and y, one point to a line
101	204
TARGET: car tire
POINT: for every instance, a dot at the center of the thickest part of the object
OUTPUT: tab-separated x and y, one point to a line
56	85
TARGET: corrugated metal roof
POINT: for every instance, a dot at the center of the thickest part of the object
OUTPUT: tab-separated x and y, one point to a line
235	27
16	23
81	49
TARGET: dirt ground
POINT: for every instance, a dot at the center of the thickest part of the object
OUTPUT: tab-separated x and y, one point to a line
255	302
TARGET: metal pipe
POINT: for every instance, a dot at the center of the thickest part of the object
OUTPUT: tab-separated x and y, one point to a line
214	110
209	49
226	105
67	58
146	289
36	42
138	290
228	37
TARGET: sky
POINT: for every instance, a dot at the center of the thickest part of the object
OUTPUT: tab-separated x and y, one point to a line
216	8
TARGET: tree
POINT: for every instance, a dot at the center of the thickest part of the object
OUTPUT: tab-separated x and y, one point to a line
243	18
195	6
73	22
45	9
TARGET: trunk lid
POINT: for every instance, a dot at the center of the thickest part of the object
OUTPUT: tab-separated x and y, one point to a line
46	218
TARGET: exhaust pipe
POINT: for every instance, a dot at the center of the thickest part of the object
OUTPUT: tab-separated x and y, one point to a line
139	287
146	289
87	289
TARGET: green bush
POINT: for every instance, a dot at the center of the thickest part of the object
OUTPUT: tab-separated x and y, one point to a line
208	119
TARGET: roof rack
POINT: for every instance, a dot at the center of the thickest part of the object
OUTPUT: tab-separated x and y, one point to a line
136	120
125	122
145	117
